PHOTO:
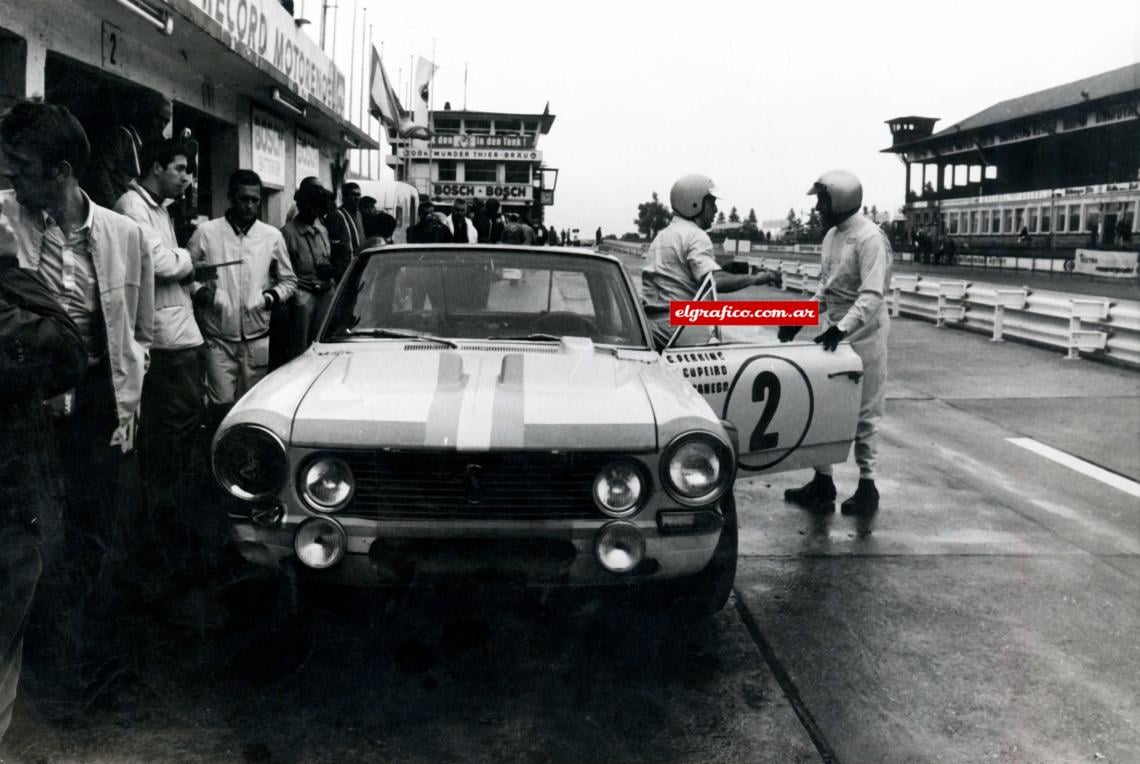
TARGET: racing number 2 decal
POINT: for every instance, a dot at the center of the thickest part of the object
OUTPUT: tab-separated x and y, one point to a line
771	399
766	390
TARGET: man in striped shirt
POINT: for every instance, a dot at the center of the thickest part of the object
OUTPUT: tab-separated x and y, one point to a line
346	228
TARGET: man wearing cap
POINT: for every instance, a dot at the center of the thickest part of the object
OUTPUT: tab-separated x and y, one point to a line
681	256
853	280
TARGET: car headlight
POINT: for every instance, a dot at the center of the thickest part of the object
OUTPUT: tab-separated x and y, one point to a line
320	543
250	462
619	488
327	483
697	468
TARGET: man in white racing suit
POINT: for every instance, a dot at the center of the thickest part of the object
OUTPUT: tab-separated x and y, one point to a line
853	283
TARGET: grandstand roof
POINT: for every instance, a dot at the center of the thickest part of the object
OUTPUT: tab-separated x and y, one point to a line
1098	87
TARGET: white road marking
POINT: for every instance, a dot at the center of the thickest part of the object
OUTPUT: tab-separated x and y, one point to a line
1120	483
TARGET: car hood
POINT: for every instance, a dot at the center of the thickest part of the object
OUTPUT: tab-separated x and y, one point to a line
566	396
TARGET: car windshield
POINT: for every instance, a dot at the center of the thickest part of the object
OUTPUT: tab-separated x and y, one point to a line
484	293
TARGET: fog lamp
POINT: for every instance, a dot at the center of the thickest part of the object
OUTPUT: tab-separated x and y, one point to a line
320	543
620	547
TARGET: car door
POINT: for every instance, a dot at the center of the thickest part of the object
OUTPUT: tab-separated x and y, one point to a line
794	405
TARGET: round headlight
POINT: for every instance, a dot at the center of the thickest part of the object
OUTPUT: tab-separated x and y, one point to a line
320	543
250	462
618	489
620	547
697	470
327	483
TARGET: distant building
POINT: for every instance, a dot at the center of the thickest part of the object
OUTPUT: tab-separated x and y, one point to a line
1057	168
479	155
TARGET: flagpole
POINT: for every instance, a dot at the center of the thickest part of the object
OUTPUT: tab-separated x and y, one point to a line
360	123
365	114
464	86
431	108
351	73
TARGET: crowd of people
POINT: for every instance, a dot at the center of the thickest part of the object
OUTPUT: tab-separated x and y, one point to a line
480	222
121	351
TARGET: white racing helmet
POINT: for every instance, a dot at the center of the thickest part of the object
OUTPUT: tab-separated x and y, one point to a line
843	187
687	196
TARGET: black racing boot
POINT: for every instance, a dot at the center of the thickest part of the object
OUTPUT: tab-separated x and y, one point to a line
818	494
865	501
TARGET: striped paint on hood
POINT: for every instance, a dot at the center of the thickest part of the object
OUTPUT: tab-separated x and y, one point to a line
471	401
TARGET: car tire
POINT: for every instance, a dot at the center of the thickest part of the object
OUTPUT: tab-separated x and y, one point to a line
703	595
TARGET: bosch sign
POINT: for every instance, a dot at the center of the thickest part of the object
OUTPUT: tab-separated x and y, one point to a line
505	191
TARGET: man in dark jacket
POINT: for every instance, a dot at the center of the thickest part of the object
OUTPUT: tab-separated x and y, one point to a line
430	229
489	222
41	355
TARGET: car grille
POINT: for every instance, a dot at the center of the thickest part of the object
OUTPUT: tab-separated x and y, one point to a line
406	484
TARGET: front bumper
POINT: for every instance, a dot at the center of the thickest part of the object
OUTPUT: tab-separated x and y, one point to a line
541	553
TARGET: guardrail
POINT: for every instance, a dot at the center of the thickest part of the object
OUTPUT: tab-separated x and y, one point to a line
1082	326
623	247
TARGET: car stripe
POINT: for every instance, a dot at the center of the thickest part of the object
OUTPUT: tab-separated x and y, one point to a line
507	424
477	410
442	428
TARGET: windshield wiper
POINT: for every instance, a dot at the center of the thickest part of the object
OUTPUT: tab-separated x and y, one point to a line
396	333
528	338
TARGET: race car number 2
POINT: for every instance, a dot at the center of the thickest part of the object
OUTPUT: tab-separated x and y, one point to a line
771	402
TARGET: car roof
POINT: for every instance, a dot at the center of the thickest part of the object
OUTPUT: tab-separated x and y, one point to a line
582	252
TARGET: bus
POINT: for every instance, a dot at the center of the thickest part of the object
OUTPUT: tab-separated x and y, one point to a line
397	199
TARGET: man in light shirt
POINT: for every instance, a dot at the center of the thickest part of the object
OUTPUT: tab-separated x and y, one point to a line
853	281
681	256
254	276
172	396
97	264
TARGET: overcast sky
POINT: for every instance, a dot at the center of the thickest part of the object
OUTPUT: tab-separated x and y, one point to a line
762	97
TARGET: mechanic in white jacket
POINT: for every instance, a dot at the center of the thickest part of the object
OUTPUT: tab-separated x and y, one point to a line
853	283
254	275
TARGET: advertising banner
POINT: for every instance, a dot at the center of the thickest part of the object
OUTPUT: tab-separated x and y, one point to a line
524	155
1107	264
308	161
507	192
269	149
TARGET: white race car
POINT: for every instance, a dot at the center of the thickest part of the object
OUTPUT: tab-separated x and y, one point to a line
499	412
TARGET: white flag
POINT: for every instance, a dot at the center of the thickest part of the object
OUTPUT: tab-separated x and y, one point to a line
425	71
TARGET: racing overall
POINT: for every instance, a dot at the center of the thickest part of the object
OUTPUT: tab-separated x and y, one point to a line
853	283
